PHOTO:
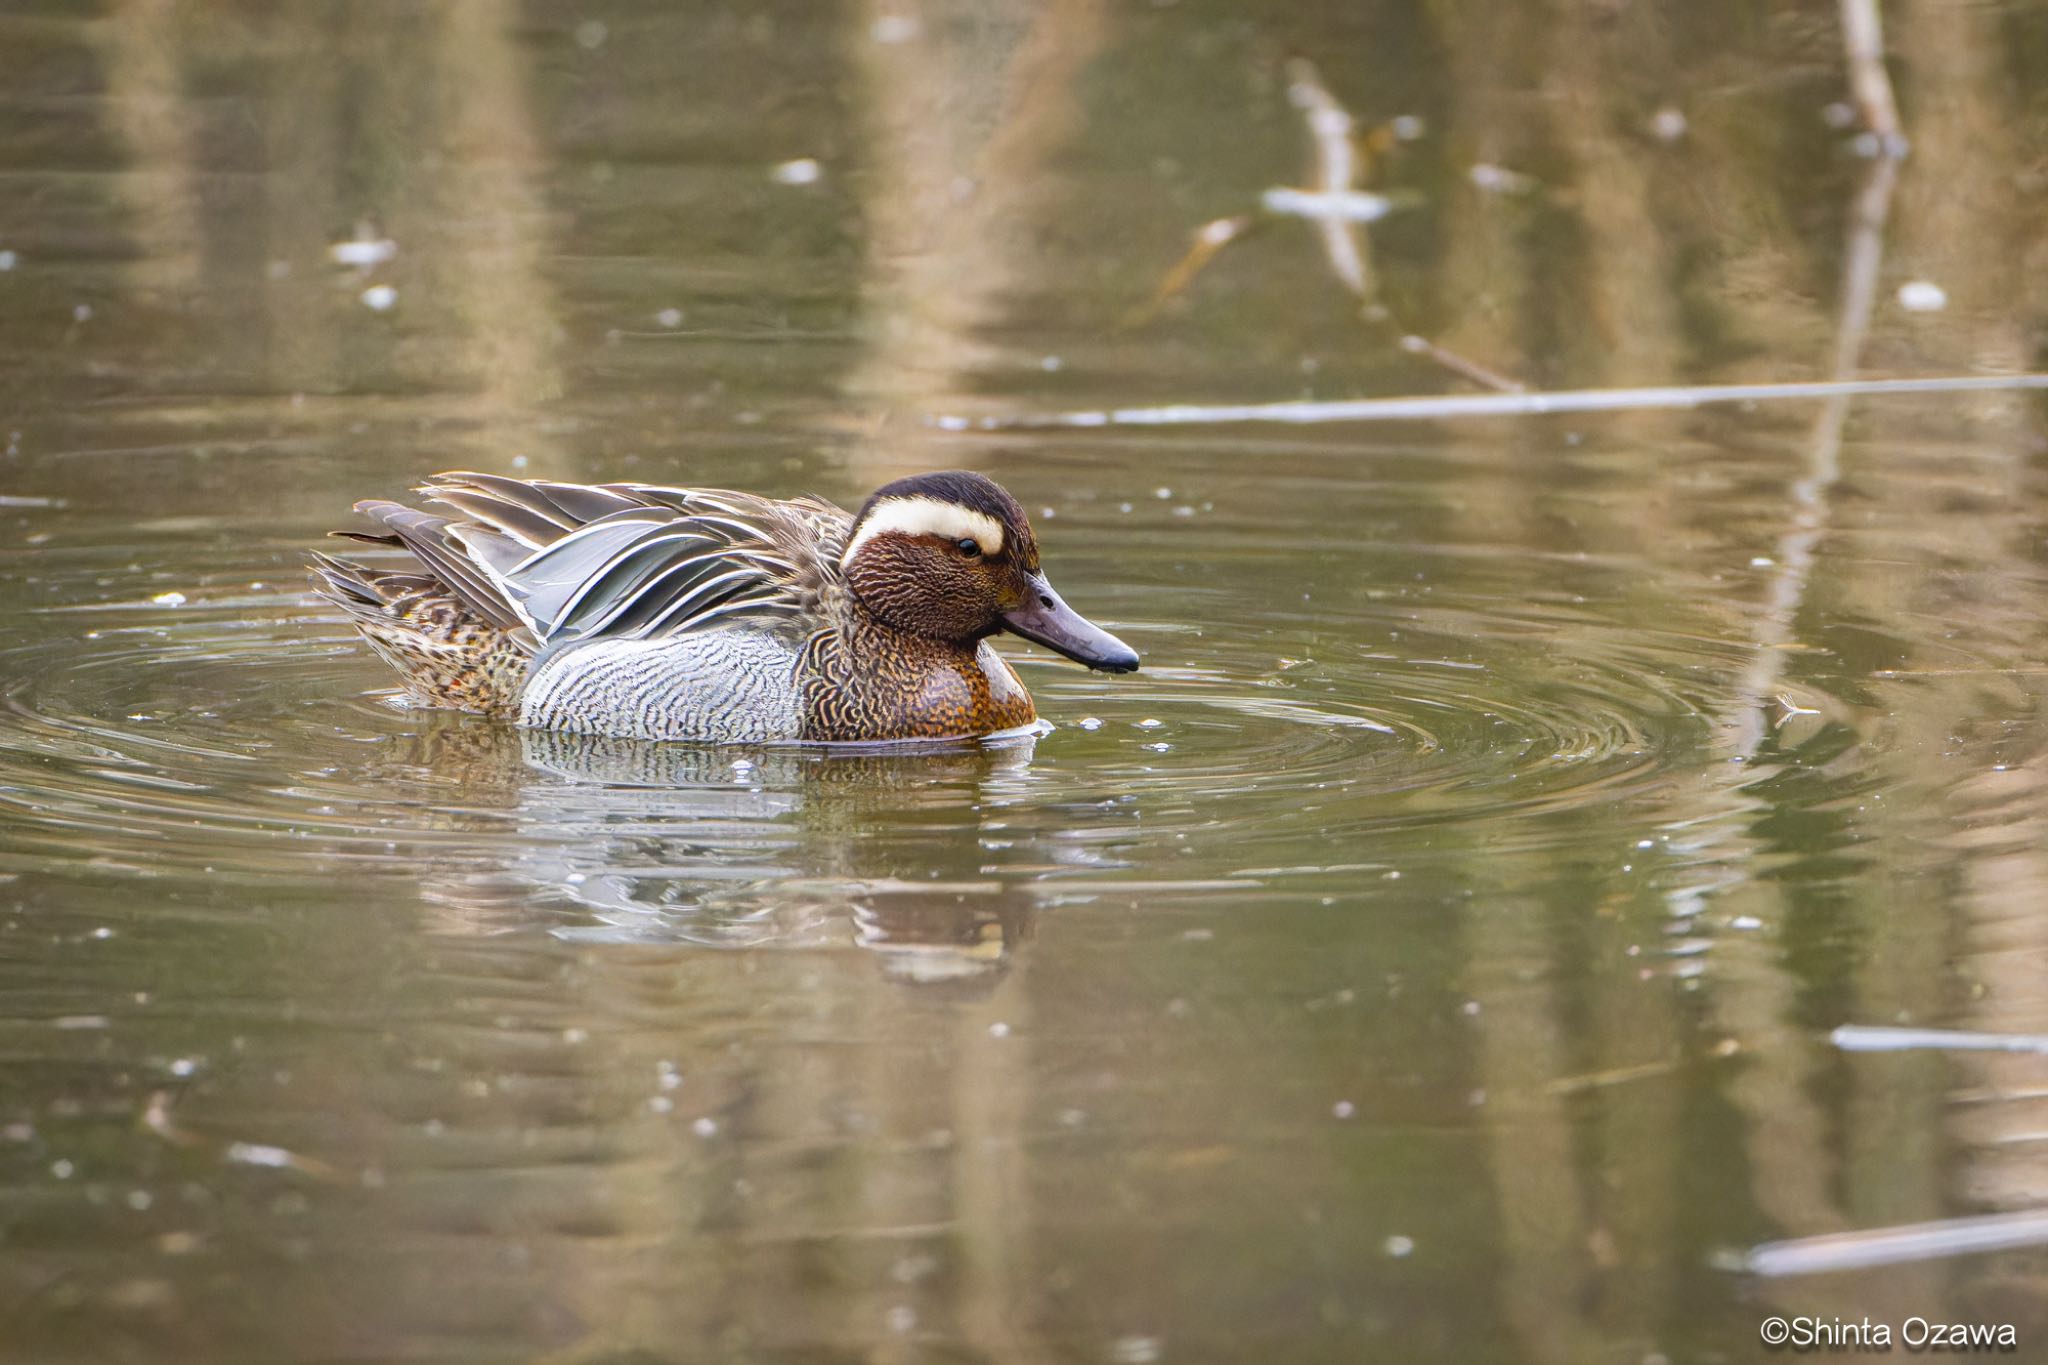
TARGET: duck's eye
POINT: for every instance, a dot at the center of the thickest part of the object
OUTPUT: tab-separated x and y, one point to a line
968	546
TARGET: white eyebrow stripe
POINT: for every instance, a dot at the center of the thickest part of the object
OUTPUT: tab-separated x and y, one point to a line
922	516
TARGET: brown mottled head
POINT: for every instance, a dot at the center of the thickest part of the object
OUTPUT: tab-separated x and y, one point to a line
951	557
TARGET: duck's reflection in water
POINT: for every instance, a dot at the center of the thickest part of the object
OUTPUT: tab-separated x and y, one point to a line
601	840
701	1046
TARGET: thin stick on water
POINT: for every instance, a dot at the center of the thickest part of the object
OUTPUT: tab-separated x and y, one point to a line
1863	38
1447	406
1896	1245
1887	1038
1209	239
1459	365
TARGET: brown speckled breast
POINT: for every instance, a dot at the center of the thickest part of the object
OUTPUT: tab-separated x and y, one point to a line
864	681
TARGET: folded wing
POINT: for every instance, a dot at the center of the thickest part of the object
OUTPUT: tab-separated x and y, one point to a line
570	562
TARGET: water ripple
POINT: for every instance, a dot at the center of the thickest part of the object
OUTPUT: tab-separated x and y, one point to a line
243	733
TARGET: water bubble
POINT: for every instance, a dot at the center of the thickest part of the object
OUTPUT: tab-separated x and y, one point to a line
999	1029
380	298
169	599
705	1127
1500	180
802	171
361	252
590	34
670	317
894	28
1398	1246
1922	296
1343	1109
911	1269
1135	1350
1090	722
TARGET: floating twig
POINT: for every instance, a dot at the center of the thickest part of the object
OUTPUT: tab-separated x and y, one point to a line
1528	404
1896	1245
1863	42
1209	239
157	1119
1880	1038
1457	364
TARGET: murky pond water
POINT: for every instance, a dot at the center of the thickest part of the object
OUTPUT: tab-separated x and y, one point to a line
1433	953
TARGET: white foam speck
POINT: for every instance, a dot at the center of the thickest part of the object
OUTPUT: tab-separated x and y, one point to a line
363	252
1922	296
1134	1350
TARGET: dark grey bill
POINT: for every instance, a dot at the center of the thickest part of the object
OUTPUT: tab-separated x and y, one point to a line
1045	620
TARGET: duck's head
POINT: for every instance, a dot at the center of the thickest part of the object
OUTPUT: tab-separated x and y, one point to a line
951	557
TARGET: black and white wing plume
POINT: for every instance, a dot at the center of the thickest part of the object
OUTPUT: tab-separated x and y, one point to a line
576	562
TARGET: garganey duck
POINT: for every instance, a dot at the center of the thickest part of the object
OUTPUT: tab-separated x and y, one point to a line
698	614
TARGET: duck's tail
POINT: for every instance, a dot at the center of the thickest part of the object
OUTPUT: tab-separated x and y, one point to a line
447	652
